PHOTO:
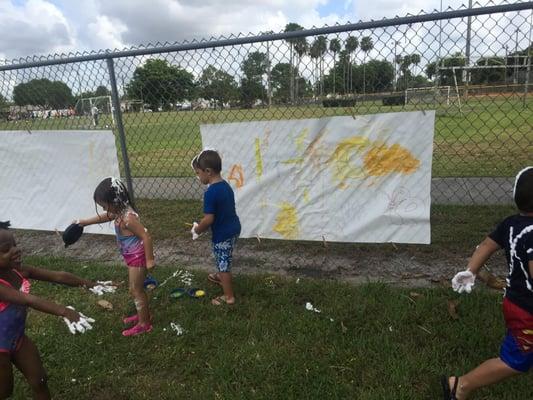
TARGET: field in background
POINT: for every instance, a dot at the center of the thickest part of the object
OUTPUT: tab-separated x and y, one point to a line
490	137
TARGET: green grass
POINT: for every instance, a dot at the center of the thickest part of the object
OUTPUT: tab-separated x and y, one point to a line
382	344
453	228
490	137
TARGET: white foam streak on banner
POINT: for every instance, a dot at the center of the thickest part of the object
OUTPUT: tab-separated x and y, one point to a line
345	179
48	177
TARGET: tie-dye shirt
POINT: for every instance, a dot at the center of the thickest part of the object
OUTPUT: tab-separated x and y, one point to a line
131	247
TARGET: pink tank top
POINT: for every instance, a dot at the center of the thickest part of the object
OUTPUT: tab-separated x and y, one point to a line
24	288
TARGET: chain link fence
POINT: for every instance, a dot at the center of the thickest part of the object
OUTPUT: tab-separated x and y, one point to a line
471	65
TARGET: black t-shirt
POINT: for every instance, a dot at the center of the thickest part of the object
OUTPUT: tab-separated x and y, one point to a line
515	235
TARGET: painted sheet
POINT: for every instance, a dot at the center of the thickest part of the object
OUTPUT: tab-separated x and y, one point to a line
346	179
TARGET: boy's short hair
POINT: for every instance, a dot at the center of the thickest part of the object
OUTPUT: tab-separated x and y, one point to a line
194	162
209	159
523	190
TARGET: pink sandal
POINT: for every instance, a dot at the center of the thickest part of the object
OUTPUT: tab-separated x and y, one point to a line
137	330
132	319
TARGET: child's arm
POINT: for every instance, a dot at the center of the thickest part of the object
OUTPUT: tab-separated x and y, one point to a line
464	281
97	219
133	224
205	223
482	253
62	277
17	297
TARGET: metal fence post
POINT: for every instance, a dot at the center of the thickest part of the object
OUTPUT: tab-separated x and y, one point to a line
120	126
528	68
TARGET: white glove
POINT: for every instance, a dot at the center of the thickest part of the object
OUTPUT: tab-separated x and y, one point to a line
103	287
193	231
83	324
463	281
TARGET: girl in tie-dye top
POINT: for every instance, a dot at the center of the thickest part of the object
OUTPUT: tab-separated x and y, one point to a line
134	242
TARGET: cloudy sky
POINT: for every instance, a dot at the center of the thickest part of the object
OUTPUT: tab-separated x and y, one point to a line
29	27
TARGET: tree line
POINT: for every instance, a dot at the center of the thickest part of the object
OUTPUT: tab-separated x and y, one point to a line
161	85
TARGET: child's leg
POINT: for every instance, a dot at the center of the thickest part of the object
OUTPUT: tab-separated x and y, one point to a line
223	253
136	281
6	376
489	372
28	361
225	282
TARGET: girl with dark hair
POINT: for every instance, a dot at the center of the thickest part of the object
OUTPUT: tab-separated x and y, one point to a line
135	245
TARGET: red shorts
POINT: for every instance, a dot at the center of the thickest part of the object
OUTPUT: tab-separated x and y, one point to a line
519	323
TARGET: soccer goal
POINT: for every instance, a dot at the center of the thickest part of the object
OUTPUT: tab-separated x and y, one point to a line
93	106
438	95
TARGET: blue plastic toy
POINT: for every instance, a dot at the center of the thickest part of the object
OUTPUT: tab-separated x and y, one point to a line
150	282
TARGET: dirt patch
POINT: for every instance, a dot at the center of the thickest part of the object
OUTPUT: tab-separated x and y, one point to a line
418	266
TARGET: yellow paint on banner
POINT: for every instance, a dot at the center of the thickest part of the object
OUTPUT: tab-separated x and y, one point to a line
258	159
299	160
287	221
300	139
383	160
343	168
306	195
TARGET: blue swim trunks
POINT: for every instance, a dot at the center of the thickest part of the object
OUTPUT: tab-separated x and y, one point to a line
223	253
512	355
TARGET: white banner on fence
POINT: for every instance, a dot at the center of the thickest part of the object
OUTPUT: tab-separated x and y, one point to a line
48	177
345	179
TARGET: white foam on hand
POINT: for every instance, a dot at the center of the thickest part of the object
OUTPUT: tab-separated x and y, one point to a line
463	281
81	326
103	287
193	231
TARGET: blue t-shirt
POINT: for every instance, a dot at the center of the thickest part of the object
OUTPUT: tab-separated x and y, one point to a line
220	201
515	235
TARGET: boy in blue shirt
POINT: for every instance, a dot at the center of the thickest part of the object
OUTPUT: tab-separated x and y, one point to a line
515	235
220	215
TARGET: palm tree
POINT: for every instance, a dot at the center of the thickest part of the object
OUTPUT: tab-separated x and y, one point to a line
301	47
334	47
351	46
292	27
366	45
322	48
415	60
315	54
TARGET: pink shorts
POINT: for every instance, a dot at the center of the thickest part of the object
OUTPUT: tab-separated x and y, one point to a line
135	260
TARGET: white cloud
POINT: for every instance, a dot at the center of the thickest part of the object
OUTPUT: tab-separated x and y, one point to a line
106	33
36	27
42	27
